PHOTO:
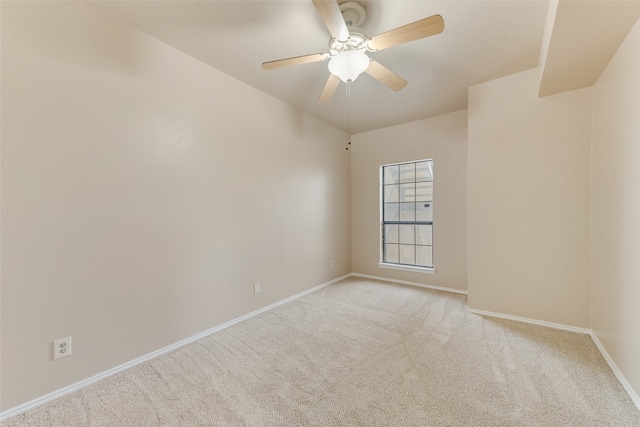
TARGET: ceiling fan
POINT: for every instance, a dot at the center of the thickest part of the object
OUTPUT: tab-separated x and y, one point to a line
348	46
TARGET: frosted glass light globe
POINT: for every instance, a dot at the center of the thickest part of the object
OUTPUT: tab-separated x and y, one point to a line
348	65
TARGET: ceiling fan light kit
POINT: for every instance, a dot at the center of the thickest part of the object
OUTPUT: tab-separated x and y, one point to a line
349	64
349	59
348	45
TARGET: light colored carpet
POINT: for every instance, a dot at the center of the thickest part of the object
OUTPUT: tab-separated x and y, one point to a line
361	353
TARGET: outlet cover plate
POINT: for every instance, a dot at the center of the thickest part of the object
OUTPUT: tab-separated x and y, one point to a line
61	348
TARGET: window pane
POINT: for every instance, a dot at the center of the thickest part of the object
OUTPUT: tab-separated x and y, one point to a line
424	171
391	233
407	211
390	193
407	234
407	195
391	174
391	254
390	211
424	235
407	254
424	191
408	172
408	192
424	256
424	211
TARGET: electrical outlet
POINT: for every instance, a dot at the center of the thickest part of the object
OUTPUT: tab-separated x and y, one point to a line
256	288
333	264
61	348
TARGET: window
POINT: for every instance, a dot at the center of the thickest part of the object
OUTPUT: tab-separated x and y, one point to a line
407	215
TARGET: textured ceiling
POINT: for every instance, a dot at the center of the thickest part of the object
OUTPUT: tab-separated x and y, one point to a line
482	40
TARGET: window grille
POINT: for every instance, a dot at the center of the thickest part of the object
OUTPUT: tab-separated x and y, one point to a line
407	214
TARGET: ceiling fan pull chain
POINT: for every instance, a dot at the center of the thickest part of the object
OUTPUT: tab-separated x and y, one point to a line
348	114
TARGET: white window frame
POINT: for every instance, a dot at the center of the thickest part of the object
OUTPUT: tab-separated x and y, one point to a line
399	266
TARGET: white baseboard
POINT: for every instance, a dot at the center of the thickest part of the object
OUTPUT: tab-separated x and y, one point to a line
623	381
91	380
528	320
404	282
625	384
86	382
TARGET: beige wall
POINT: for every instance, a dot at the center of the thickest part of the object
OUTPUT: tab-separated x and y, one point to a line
143	193
615	209
528	200
443	138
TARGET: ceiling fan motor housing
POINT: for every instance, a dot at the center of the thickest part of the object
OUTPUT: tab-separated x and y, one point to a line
357	41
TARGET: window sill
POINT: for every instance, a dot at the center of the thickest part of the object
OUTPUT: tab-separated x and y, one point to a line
412	269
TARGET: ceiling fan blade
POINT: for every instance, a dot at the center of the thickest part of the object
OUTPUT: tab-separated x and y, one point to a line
416	30
332	17
385	76
297	60
329	88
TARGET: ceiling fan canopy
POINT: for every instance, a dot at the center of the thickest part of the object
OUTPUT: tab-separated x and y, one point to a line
348	46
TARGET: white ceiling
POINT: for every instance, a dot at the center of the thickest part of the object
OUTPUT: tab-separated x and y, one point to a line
482	40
